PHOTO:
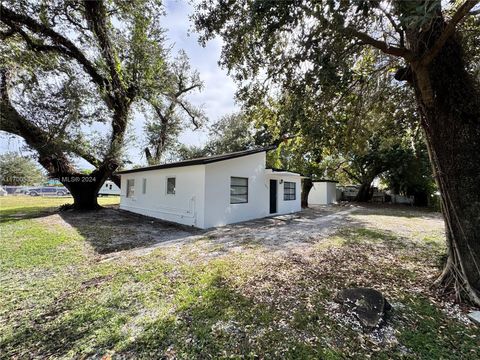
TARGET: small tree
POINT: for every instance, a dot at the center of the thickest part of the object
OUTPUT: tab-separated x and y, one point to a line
19	170
234	132
170	110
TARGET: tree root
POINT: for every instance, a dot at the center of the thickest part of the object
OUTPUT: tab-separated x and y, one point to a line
451	282
68	207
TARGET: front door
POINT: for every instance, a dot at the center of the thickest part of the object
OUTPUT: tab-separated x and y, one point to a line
273	196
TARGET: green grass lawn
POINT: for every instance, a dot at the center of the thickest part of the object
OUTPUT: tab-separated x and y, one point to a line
59	298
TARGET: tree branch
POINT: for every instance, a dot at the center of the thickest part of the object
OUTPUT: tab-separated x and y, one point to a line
383	46
49	155
14	123
394	25
193	117
352	176
96	15
459	15
185	90
32	45
64	45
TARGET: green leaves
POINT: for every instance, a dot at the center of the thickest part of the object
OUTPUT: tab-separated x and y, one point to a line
19	170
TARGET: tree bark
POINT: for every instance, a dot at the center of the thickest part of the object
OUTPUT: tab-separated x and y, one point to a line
116	92
307	185
85	188
365	192
84	196
449	103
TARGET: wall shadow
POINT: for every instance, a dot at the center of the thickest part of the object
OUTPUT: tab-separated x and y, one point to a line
109	230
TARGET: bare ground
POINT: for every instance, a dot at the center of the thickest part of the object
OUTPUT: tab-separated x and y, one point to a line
113	232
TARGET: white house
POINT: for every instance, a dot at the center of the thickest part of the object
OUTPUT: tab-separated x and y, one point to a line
109	188
323	192
211	191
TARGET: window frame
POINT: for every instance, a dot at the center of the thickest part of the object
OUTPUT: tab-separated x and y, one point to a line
130	188
287	194
144	186
174	187
239	186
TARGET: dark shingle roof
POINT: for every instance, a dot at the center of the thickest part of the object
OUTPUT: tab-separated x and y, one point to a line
324	180
199	161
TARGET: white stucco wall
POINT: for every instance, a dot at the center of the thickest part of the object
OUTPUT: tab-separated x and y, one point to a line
202	197
323	193
218	210
286	206
185	207
331	193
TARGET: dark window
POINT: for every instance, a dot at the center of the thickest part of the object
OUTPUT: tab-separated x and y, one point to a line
288	190
171	185
144	186
130	188
238	190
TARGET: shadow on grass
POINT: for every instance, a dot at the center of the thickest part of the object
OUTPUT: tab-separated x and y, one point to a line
201	314
397	210
420	249
24	213
207	322
109	230
64	326
209	319
219	322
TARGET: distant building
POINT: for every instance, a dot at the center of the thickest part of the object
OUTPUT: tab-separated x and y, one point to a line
323	192
109	188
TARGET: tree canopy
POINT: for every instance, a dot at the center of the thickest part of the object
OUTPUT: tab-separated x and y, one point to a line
73	67
320	52
19	170
171	112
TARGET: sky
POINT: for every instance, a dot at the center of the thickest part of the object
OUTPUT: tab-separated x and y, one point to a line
216	98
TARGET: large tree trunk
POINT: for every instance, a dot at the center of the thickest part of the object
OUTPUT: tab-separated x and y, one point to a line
449	103
365	192
307	185
85	188
84	196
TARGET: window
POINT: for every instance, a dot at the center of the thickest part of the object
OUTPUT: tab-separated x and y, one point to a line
238	190
144	186
130	188
288	190
110	187
171	185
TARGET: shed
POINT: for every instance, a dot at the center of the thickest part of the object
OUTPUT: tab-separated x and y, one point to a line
211	191
323	192
109	188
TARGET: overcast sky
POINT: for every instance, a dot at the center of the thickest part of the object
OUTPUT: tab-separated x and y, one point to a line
217	96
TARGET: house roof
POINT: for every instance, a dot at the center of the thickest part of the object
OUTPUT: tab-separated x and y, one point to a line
324	180
275	171
278	169
199	161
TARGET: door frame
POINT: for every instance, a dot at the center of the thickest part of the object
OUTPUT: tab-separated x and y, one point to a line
275	182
